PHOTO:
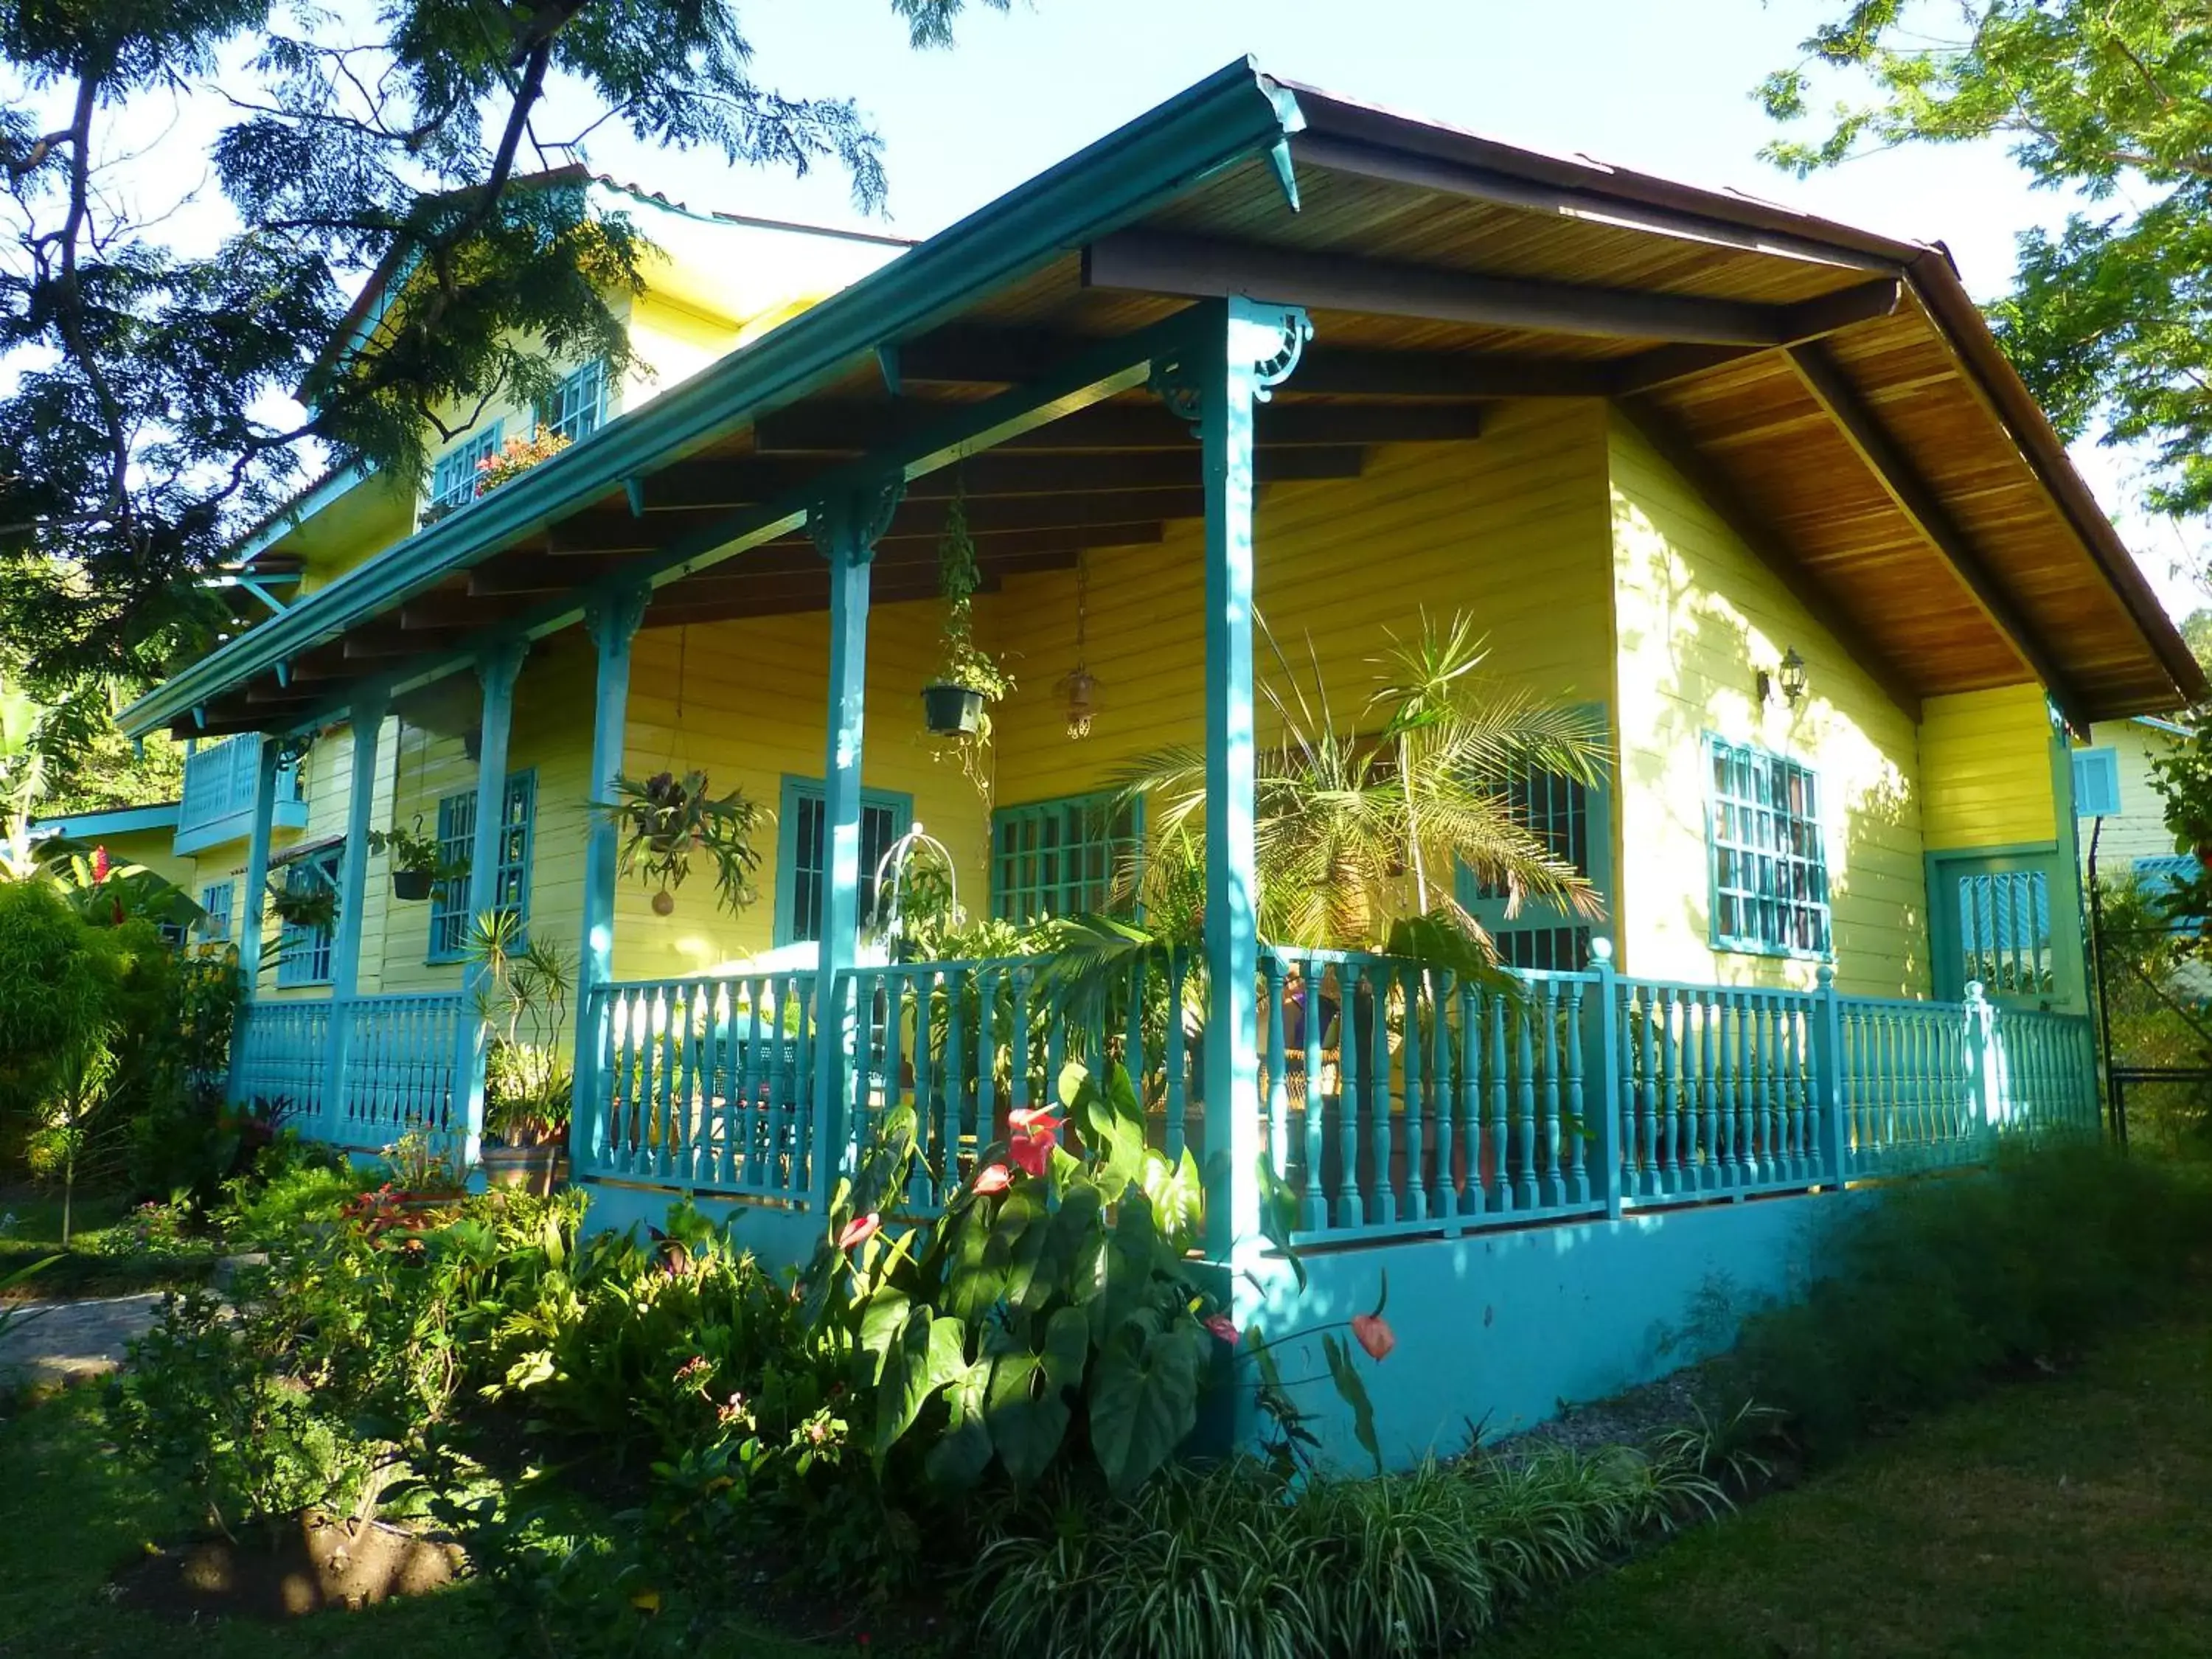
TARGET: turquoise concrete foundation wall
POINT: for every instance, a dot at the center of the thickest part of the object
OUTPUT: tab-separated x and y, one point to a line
1500	1329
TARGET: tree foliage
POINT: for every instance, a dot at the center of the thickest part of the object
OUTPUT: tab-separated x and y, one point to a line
2109	321
166	398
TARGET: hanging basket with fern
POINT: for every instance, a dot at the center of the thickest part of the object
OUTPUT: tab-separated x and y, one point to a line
667	821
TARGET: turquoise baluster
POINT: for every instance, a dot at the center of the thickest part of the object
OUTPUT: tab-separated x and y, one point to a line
1351	1205
1278	1071
1552	1183
1709	1143
1526	1191
1417	1197
1744	1089
1473	1199
1652	1179
1577	1187
1382	1204
1316	1201
1444	1098
757	1148
1175	1128
983	980
956	1121
1674	1012
1501	1128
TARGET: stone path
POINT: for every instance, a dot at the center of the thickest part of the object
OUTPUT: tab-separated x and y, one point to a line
69	1341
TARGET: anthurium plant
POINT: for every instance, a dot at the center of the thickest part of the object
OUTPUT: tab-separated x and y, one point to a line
1054	1311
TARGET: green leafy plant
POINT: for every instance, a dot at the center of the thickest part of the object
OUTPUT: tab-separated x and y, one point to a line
413	851
963	664
522	995
310	906
665	821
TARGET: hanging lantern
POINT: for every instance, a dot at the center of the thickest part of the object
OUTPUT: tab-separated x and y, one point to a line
1079	686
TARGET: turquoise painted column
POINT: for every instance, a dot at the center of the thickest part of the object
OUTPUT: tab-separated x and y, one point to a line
845	528
1242	349
611	618
497	669
251	906
367	721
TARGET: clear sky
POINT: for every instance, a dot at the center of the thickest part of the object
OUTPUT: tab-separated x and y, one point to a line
1660	85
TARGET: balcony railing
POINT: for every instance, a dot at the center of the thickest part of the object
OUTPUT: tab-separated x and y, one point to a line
218	798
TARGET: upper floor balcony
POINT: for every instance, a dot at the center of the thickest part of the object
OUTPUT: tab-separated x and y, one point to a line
218	799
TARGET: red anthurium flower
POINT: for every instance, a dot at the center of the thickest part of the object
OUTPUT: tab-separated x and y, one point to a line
99	865
860	1230
1373	1332
1034	1154
995	1178
1223	1327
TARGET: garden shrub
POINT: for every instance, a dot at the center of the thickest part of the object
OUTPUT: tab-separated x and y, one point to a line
292	1185
1929	1288
61	978
1232	1560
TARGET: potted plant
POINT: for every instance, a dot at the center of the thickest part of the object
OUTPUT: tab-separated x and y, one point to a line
970	678
417	865
313	908
523	997
666	820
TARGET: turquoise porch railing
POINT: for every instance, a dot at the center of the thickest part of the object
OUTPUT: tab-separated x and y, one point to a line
703	1084
400	1056
280	1053
218	801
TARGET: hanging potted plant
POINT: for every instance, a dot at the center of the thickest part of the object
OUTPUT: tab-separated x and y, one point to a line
667	821
956	704
313	908
417	865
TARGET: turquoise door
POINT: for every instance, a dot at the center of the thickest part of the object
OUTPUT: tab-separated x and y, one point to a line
2010	920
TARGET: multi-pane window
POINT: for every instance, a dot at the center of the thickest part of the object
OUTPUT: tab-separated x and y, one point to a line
303	954
1057	858
2004	931
216	898
578	407
884	819
457	834
1556	812
1769	861
453	479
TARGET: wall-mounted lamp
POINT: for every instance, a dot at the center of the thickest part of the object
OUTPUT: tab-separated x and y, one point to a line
1787	677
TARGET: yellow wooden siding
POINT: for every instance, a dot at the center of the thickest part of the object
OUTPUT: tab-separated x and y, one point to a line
1985	763
152	849
1698	614
2139	831
1510	528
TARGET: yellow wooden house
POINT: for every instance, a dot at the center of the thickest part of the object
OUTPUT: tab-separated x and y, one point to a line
1758	487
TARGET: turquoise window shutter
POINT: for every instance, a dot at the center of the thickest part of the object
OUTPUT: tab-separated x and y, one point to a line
885	815
2096	783
1064	856
457	829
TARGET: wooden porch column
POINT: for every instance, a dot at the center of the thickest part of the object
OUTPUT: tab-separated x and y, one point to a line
252	903
367	721
612	617
497	670
845	528
1245	349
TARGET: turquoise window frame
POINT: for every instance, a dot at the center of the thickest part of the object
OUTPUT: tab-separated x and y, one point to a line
798	793
1727	850
453	476
456	831
1100	846
303	954
219	899
578	407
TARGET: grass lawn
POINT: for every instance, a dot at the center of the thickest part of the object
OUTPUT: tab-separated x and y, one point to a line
2069	1516
103	1258
71	1511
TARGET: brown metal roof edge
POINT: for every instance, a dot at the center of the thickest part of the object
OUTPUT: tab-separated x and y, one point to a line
1927	266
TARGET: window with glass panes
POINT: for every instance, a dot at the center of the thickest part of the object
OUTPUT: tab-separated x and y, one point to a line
802	856
1056	858
1570	819
578	407
1770	867
453	479
216	898
457	835
303	954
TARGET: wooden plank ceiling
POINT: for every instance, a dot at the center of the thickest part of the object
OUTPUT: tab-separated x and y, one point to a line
1803	384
